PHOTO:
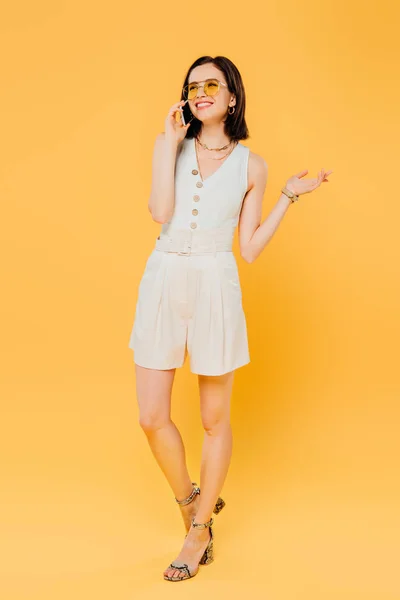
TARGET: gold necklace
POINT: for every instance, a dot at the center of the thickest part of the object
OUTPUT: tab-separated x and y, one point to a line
212	157
198	162
213	149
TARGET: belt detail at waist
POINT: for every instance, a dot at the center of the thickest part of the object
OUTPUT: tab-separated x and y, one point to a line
185	242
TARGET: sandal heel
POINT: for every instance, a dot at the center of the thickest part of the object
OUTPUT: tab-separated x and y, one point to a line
208	555
219	505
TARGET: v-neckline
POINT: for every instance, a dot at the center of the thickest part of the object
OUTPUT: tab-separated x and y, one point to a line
219	168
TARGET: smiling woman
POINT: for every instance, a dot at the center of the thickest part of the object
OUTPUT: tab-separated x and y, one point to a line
223	81
190	299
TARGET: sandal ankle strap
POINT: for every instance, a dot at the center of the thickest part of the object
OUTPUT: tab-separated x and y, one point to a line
195	490
202	525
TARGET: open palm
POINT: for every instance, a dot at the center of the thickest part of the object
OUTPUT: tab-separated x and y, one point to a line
302	186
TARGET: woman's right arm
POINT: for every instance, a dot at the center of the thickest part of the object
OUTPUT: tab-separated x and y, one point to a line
162	197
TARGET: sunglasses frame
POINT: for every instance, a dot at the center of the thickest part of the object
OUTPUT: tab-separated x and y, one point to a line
198	83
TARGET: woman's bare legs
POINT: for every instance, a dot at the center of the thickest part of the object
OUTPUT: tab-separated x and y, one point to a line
153	390
215	397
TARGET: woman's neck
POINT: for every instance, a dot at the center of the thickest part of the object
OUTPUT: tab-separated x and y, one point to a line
213	136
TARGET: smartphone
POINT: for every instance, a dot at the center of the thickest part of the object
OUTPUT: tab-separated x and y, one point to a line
186	113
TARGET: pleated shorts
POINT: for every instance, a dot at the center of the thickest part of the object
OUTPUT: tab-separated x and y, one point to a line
190	303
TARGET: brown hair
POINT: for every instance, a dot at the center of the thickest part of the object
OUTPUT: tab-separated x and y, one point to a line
235	124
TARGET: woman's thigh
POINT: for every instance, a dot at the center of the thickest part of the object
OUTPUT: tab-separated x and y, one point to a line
215	398
153	391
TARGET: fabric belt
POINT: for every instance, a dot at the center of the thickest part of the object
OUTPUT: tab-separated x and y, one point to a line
185	243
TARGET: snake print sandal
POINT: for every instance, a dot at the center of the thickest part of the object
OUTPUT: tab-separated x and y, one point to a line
206	559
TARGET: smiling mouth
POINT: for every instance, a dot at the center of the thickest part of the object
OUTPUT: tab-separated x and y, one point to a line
203	104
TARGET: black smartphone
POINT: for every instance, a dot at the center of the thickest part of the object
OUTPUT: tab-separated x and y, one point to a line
186	113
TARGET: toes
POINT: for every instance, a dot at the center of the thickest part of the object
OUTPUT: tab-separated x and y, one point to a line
168	572
180	574
171	573
174	573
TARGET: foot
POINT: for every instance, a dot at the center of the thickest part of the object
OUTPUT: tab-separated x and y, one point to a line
193	549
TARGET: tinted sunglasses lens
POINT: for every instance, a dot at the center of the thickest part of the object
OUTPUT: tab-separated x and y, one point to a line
211	87
190	91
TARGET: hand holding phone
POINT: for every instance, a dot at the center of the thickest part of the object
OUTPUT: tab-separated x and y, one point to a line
186	113
174	128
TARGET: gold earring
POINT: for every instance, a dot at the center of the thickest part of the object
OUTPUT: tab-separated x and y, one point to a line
231	113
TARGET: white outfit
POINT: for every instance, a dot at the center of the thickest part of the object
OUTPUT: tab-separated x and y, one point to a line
190	298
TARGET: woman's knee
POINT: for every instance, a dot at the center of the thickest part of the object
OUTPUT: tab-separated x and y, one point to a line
215	423
151	422
153	390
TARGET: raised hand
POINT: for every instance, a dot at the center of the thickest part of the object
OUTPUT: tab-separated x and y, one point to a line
174	129
302	186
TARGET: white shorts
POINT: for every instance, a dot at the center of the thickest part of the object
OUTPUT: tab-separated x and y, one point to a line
190	303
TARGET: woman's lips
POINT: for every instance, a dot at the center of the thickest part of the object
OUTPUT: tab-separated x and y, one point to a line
204	105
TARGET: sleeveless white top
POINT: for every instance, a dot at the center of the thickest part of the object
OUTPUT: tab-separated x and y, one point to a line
214	202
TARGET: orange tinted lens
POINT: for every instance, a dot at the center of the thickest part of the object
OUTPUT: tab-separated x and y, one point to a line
191	90
211	87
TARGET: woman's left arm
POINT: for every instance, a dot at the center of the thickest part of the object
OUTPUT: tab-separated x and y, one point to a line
254	235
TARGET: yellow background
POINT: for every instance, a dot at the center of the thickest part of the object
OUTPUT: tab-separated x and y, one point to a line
312	495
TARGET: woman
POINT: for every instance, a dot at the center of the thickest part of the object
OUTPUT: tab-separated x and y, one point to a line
204	184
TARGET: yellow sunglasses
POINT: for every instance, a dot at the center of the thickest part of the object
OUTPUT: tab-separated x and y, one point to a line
211	88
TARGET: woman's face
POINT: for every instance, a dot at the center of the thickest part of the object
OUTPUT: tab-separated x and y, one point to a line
215	107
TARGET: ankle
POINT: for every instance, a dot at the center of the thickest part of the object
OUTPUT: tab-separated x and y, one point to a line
202	524
202	518
183	495
187	498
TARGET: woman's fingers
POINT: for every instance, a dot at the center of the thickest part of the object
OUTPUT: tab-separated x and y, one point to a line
301	173
315	182
176	107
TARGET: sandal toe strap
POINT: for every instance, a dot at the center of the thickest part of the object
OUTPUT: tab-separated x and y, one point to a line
184	568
